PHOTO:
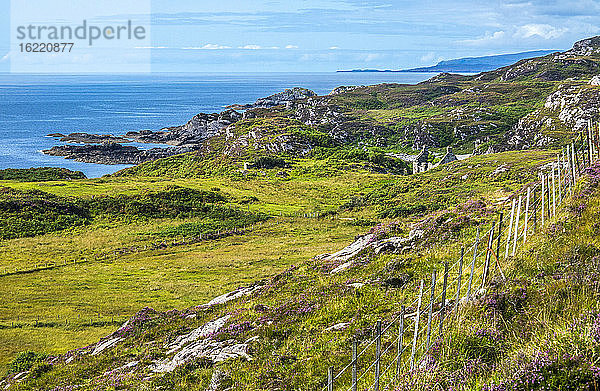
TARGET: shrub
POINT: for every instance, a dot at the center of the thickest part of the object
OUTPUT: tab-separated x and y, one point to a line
551	371
174	201
269	162
40	174
483	345
24	361
34	212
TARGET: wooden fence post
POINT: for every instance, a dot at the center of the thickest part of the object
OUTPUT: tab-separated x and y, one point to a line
488	254
499	236
549	204
568	173
553	192
597	138
460	269
416	333
354	364
558	163
473	266
589	143
534	209
516	234
573	163
577	164
567	160
443	309
431	300
526	226
400	342
510	226
378	356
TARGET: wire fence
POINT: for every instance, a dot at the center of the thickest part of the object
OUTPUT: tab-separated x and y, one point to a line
118	252
403	345
84	319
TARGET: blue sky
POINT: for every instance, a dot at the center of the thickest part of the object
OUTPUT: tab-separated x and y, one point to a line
326	35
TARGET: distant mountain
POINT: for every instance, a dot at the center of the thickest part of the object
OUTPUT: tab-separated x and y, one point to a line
471	64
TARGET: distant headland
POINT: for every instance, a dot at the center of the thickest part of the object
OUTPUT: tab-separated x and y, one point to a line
469	64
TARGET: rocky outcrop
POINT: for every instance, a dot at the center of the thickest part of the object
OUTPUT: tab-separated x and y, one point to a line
201	332
348	256
233	295
568	108
199	344
237	145
318	111
343	89
214	351
281	98
198	129
585	47
111	153
86	138
106	344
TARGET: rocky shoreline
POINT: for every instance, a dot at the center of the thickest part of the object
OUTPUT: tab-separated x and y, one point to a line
87	138
540	98
112	153
107	149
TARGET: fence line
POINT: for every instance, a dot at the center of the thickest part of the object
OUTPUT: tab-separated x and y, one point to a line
409	337
85	320
220	234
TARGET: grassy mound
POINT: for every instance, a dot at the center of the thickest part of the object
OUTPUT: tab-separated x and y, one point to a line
40	174
31	213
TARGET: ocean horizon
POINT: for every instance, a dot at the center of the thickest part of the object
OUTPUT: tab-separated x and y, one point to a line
33	106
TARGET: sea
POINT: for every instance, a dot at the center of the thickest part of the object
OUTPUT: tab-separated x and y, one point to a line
33	106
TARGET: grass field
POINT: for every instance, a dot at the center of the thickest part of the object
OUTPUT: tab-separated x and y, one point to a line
66	298
108	291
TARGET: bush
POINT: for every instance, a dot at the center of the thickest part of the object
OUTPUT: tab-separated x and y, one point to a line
550	371
39	369
40	174
175	201
269	162
370	103
24	361
484	346
217	219
402	211
34	212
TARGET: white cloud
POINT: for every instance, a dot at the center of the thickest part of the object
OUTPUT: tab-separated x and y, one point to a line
334	47
544	31
250	47
430	57
371	57
291	47
258	47
5	57
487	39
518	34
208	46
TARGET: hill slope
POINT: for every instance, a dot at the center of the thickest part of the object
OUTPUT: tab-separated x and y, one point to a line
319	168
480	64
538	102
285	323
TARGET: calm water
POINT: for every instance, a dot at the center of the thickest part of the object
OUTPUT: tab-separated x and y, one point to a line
31	106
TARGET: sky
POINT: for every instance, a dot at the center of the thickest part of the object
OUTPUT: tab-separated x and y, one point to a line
327	35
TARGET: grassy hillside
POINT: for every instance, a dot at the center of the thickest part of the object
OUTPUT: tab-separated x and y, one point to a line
257	208
290	315
120	269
